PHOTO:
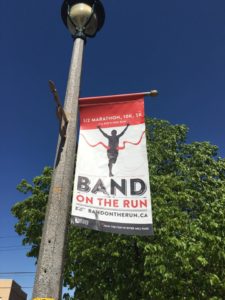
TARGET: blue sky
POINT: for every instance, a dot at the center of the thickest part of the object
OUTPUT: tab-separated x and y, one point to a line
175	46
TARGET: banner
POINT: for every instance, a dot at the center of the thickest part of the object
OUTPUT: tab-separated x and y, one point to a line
111	187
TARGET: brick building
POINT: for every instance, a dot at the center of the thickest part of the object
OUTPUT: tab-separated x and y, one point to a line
10	290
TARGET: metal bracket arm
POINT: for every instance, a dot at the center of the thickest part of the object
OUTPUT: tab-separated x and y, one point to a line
60	113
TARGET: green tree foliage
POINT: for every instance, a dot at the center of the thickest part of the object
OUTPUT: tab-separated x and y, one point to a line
185	259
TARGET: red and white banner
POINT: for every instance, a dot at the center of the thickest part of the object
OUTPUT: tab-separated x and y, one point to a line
111	187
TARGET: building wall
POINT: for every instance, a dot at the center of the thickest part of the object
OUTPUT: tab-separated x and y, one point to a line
10	290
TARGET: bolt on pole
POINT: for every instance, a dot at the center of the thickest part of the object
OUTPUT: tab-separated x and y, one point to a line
49	280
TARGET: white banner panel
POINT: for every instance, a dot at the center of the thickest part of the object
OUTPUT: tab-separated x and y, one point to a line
111	187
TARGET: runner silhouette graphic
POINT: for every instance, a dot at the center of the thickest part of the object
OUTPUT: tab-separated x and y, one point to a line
113	144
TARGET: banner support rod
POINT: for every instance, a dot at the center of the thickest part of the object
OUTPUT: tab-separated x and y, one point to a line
88	100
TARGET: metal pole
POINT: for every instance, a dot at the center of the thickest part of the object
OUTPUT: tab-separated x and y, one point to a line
48	280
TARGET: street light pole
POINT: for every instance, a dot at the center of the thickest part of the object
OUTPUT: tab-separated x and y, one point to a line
48	281
49	274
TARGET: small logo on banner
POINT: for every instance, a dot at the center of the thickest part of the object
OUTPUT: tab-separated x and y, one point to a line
43	299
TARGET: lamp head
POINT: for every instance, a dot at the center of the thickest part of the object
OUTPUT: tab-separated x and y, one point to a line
83	17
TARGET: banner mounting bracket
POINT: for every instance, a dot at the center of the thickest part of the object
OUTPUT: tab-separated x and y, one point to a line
60	113
152	93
